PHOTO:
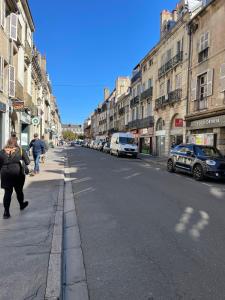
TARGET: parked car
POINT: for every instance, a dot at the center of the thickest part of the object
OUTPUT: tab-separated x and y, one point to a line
95	145
92	144
100	145
123	143
200	161
106	147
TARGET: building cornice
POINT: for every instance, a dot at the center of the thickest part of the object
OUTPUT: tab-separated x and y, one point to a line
27	10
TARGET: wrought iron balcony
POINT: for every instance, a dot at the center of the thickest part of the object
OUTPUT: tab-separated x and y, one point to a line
136	77
134	101
147	93
141	123
201	104
121	111
171	98
173	62
175	96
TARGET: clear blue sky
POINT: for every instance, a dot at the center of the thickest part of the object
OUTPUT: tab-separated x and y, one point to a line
88	43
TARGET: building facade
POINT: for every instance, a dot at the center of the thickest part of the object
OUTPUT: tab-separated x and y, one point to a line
177	91
23	79
206	106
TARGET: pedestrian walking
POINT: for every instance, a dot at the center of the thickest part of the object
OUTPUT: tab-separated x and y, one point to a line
38	148
46	145
13	166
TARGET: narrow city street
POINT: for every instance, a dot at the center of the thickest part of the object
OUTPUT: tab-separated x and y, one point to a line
147	234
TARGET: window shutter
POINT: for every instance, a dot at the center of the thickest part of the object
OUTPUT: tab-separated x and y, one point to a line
194	89
222	78
207	39
1	73
1	8
11	81
209	82
13	26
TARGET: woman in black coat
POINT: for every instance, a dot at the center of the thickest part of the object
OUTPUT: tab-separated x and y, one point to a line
12	174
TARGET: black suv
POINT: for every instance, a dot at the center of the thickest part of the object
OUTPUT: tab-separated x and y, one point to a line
200	161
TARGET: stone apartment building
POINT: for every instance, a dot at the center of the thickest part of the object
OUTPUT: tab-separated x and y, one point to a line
171	81
177	91
23	79
206	106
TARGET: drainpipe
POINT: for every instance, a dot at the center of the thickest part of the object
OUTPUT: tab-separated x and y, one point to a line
189	70
192	27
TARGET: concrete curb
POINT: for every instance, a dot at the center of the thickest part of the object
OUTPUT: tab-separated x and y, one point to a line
153	162
54	274
75	282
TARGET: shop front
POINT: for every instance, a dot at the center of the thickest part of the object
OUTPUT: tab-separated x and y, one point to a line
176	132
146	141
25	129
207	131
2	127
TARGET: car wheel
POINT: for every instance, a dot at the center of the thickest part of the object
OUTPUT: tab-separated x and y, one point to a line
135	156
111	152
170	167
198	173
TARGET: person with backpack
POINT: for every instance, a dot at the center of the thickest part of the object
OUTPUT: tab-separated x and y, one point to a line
38	148
13	166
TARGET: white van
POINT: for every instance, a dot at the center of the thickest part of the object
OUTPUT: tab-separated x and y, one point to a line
123	143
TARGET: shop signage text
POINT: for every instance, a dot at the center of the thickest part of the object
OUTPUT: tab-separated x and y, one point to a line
208	123
18	105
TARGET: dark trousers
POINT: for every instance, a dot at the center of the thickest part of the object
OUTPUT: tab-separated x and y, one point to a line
8	195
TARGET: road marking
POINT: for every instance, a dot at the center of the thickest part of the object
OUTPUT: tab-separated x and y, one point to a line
122	170
81	180
90	189
131	176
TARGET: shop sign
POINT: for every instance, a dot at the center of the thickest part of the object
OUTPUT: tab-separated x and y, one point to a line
208	123
2	107
179	122
25	118
35	121
18	105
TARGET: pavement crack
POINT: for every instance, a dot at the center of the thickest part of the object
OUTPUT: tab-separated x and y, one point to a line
34	295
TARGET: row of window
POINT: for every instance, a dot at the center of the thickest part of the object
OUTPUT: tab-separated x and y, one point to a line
10	79
136	91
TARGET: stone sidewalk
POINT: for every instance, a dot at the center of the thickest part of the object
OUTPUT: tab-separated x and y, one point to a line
26	238
161	161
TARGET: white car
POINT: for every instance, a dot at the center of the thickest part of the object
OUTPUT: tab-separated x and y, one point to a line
123	143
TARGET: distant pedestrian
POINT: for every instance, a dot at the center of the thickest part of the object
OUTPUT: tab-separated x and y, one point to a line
13	162
38	148
46	145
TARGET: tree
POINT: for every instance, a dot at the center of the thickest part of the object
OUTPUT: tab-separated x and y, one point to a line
81	137
69	135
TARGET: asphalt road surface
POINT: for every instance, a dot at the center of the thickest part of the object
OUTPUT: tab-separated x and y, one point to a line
148	234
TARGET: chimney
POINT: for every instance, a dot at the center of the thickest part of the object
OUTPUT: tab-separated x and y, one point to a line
175	15
165	17
106	93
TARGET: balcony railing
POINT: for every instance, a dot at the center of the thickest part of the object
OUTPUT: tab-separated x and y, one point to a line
141	123
171	98
200	104
173	62
134	101
28	52
147	94
136	77
121	111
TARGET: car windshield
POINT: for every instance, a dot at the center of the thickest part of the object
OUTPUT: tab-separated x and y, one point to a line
126	140
207	151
